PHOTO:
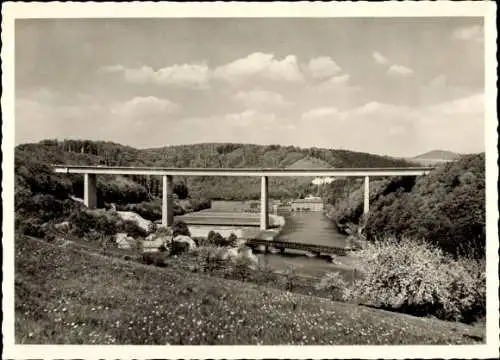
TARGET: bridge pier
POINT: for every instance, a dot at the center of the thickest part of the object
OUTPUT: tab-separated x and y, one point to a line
167	206
366	204
264	204
90	190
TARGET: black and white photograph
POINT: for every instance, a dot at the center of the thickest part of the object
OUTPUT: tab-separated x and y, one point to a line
201	174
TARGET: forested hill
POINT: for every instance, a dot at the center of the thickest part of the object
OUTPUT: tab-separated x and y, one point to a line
84	152
199	155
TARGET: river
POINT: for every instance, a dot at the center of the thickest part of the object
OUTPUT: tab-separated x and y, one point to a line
314	228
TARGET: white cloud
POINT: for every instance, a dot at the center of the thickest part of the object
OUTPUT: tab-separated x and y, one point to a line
335	83
399	70
250	117
321	112
379	58
195	76
470	33
375	107
262	65
260	98
140	108
457	125
470	105
322	67
341	79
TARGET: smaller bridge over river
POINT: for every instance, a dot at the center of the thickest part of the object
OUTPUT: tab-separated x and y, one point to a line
282	245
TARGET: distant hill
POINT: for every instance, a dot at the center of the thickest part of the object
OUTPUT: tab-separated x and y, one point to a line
439	155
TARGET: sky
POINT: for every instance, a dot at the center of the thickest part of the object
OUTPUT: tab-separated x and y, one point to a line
389	86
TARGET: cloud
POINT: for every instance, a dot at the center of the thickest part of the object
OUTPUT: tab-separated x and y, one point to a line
335	83
374	107
397	130
193	76
470	33
322	67
379	58
394	69
261	98
321	112
399	70
439	81
457	125
470	105
262	65
250	117
140	108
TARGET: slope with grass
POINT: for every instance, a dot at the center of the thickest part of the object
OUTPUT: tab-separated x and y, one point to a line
69	296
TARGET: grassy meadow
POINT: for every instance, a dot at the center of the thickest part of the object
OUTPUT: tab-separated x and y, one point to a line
72	296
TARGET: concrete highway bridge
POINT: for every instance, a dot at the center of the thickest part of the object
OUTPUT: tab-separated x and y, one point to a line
90	183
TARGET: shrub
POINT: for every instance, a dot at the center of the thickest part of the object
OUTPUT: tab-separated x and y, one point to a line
131	228
148	210
179	248
181	190
154	258
163	231
291	278
334	283
216	239
417	278
179	227
232	240
30	227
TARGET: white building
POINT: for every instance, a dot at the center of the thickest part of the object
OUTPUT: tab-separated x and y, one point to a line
323	180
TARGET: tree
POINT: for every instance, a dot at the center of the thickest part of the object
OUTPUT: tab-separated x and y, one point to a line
181	190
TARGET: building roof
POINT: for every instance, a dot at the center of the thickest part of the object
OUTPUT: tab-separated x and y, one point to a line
308	201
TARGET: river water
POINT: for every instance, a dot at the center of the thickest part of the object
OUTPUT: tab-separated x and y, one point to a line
310	227
313	228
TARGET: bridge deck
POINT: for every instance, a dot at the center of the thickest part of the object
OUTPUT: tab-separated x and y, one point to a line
123	170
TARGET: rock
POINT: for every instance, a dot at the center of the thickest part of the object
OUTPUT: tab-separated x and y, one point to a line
232	253
247	254
185	239
124	241
146	225
156	243
63	226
